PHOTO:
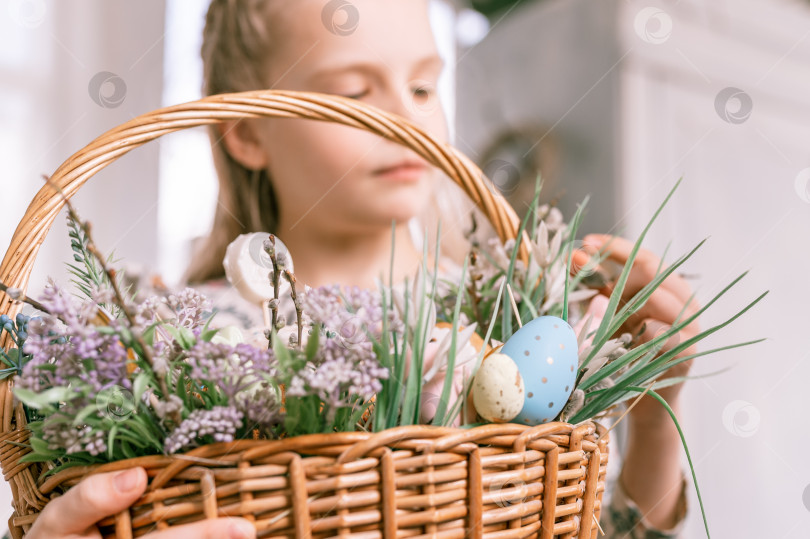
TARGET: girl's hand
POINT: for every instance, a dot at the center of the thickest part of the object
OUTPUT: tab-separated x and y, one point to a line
74	515
657	316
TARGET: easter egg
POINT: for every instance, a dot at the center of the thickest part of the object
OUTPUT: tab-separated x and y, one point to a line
497	390
545	351
247	266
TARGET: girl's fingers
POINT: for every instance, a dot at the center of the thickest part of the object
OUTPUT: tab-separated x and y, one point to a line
220	528
650	329
77	511
94	498
664	306
649	411
619	249
582	262
579	259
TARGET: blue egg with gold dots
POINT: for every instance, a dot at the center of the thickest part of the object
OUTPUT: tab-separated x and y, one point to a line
546	353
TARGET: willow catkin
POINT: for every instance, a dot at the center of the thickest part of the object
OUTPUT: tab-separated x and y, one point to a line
574	405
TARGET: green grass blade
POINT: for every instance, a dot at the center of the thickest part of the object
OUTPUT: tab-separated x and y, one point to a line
570	244
663	363
439	418
637	302
642	296
413	393
635	353
506	325
613	303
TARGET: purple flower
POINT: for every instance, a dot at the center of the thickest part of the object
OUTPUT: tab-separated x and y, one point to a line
339	381
261	406
230	369
345	367
165	408
352	313
59	433
219	423
73	352
145	312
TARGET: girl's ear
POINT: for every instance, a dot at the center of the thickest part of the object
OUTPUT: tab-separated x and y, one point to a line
243	144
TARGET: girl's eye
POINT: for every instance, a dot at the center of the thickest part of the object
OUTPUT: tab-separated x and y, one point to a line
356	95
423	92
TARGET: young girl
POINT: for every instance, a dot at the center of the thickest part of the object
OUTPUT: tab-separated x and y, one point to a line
331	192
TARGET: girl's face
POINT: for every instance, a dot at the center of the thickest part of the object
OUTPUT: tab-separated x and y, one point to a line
339	179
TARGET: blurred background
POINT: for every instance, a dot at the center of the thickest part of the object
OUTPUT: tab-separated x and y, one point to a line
616	99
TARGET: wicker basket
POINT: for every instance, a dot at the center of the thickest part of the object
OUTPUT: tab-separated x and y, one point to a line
494	481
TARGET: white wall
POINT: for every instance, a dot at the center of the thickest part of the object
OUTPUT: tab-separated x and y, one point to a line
629	88
745	426
49	114
548	65
50	51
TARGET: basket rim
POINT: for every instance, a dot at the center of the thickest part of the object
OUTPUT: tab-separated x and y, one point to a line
358	444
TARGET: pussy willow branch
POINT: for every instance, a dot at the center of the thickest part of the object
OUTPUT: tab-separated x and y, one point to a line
17	295
297	302
274	277
119	298
472	289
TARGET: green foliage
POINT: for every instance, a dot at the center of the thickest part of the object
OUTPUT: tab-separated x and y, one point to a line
132	424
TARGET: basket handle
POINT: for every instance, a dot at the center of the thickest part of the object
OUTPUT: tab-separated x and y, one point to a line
15	270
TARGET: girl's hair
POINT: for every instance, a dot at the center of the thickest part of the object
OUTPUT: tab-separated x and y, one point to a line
237	41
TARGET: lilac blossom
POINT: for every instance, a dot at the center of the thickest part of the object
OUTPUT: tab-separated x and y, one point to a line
345	367
261	406
220	423
339	380
350	315
85	355
191	308
59	433
231	369
145	312
168	407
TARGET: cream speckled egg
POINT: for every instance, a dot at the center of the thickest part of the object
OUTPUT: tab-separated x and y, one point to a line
498	392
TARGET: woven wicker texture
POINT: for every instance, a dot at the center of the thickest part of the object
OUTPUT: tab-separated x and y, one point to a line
494	481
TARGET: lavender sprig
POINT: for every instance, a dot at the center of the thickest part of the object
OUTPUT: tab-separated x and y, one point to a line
220	423
118	296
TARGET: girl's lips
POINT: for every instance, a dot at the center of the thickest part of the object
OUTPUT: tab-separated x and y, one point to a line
403	172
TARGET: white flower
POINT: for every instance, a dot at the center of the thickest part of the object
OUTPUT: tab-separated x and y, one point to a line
229	335
545	251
